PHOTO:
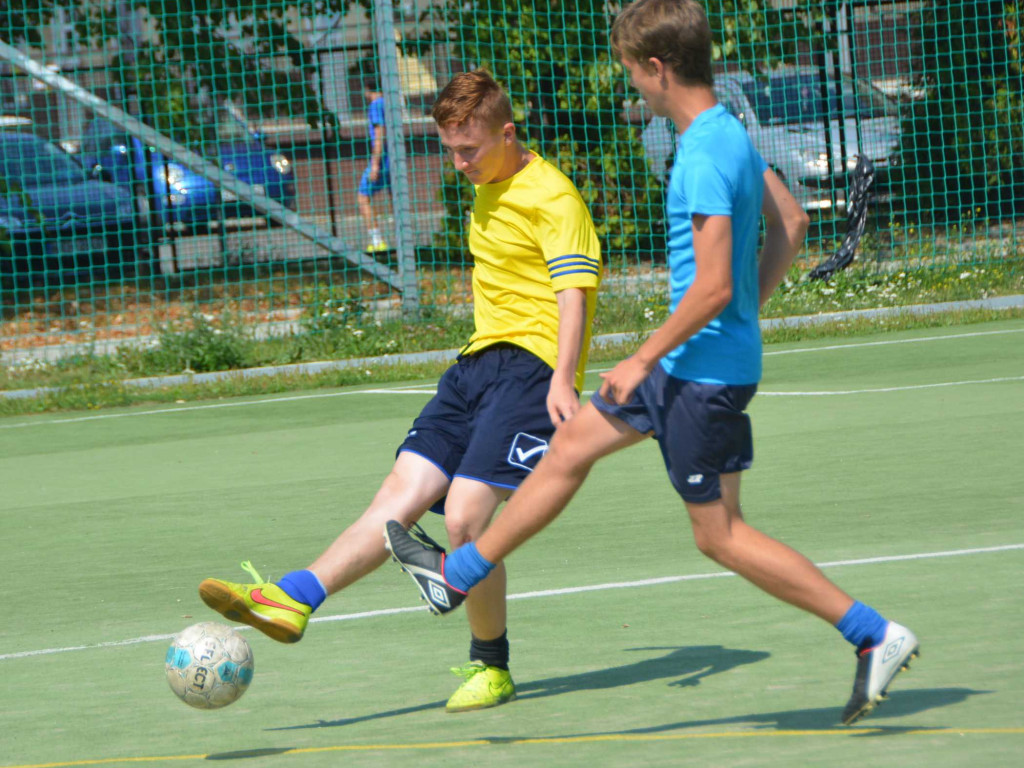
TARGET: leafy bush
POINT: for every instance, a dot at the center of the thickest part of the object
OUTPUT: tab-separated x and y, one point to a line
198	345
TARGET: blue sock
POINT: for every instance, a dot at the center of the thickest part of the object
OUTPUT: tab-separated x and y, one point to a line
465	567
862	626
303	586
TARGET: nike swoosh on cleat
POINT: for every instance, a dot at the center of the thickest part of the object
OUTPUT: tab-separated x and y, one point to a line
257	597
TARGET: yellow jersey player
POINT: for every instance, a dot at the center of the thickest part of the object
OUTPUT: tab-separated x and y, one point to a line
537	265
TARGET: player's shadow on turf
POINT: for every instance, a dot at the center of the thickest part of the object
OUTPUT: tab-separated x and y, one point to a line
688	666
899	704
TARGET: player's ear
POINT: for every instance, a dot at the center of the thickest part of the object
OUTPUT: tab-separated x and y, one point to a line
656	66
508	132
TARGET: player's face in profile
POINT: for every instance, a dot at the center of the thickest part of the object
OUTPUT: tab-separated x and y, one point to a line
479	150
647	81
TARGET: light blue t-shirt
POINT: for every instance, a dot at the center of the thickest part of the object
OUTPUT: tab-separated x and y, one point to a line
717	171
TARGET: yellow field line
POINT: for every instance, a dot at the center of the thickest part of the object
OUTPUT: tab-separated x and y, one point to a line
608	737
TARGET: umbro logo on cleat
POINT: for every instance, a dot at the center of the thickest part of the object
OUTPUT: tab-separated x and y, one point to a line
892	650
438	596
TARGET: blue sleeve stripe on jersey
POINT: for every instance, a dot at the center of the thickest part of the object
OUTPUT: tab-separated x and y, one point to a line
577	258
581	266
565	272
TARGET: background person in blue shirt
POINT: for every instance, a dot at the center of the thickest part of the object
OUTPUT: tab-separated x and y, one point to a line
689	383
377	175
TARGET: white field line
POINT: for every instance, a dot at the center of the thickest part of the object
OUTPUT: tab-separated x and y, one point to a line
544	593
426	390
405	390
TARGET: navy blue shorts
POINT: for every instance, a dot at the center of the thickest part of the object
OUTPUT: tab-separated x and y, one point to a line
371	188
489	419
702	429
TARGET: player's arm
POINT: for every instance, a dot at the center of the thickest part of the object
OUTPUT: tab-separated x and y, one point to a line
562	399
785	226
704	300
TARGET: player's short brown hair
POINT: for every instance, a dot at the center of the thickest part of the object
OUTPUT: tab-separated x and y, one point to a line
676	32
472	95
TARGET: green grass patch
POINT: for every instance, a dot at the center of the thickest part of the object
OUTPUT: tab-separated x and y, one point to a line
337	329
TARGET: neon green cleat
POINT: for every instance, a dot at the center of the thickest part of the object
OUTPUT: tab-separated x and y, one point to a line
264	606
483	687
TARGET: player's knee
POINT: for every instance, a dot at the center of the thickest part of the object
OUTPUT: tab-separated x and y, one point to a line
713	544
461	530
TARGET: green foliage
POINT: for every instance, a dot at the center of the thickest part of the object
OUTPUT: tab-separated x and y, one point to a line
205	51
23	22
963	145
336	325
753	34
199	345
94	381
569	94
865	286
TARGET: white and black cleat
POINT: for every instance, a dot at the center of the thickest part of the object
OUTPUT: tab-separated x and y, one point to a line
876	668
423	559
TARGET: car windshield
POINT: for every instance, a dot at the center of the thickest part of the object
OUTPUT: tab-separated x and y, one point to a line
796	99
37	164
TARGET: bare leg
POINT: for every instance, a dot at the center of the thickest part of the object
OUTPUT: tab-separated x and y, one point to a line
576	446
406	493
723	535
366	211
468	510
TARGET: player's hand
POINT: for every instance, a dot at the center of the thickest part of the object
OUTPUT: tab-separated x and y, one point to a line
621	381
562	402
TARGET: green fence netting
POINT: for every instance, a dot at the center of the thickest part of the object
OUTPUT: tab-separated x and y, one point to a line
161	159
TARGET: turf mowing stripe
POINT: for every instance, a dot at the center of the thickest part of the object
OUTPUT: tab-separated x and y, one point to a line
861	344
544	593
541	740
904	388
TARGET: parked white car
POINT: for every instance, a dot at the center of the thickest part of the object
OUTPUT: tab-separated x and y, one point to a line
786	116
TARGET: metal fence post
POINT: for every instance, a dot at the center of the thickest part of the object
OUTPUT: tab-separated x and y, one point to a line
387	53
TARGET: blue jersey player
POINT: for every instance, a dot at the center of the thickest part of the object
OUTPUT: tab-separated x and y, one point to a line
689	383
377	175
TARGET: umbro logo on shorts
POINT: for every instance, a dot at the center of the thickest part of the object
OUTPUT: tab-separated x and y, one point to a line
695	479
526	451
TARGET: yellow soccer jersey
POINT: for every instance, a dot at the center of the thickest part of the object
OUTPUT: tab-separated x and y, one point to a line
531	236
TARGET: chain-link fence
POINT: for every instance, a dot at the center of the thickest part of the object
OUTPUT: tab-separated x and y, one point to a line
160	159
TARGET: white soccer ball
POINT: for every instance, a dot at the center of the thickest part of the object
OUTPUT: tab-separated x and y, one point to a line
209	665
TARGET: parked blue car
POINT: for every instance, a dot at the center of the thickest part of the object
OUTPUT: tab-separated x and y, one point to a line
170	192
57	221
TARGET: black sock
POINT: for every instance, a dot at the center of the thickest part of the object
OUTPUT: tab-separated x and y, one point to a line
493	653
